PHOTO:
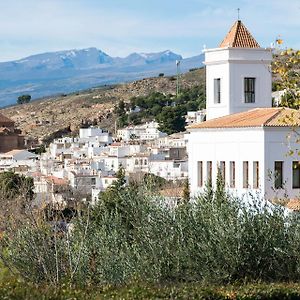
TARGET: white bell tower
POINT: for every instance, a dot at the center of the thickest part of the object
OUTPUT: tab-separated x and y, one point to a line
238	74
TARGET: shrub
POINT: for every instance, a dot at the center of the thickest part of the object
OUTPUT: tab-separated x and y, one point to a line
132	234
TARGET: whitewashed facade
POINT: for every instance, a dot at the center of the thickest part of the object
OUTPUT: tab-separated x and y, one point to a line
248	143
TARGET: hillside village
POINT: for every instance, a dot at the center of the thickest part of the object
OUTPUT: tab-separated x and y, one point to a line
85	147
170	187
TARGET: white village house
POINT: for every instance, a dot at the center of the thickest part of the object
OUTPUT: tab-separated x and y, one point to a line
244	136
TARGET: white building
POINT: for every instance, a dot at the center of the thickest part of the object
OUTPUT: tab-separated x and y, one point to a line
244	137
145	132
19	161
238	74
102	135
169	169
195	116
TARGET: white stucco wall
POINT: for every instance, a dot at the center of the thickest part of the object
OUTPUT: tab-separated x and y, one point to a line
232	65
265	145
226	145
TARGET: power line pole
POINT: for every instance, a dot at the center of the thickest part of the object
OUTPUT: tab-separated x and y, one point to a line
178	77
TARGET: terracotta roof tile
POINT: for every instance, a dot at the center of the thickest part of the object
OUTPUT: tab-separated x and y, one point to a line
293	204
258	117
239	37
56	180
4	121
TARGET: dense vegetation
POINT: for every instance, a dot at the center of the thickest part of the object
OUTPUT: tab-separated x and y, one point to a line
167	110
132	234
133	244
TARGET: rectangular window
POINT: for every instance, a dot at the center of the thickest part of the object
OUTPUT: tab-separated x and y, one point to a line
278	174
217	90
232	174
200	173
245	174
255	174
222	170
249	89
296	174
209	171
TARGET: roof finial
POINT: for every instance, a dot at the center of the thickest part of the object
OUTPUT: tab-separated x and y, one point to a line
238	14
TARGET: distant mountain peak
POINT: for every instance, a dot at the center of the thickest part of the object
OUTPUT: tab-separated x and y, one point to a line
70	70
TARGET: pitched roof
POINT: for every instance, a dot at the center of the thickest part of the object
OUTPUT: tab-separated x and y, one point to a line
239	37
5	121
258	117
293	204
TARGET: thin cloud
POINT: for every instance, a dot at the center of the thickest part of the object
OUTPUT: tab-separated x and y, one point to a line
119	27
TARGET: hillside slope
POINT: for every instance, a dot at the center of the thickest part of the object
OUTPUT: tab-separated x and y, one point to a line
72	70
40	119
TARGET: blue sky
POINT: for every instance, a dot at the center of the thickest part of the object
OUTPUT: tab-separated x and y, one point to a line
120	27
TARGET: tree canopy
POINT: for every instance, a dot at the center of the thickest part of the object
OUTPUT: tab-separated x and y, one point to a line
167	110
24	99
286	66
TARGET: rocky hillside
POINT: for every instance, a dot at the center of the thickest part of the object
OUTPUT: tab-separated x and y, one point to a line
43	118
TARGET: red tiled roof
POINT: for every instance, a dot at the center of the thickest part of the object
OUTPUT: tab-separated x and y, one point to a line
258	117
293	204
4	121
56	180
239	37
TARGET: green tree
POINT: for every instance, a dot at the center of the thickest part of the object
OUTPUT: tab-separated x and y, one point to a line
110	199
220	192
285	68
12	184
186	191
120	108
171	119
24	99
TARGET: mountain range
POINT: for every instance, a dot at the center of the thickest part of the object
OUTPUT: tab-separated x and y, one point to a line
72	70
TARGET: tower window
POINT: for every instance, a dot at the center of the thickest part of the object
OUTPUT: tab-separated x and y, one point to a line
217	90
249	89
278	168
296	174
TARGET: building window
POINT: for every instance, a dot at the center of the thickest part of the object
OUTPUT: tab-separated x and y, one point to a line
245	174
296	174
217	90
249	89
93	181
222	170
278	174
255	174
200	173
209	171
232	174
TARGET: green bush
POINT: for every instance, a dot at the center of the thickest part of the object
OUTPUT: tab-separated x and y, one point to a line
132	234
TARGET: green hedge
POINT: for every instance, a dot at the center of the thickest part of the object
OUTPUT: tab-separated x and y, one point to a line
19	290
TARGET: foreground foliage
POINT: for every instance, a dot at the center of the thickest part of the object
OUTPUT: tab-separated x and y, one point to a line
17	289
133	235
